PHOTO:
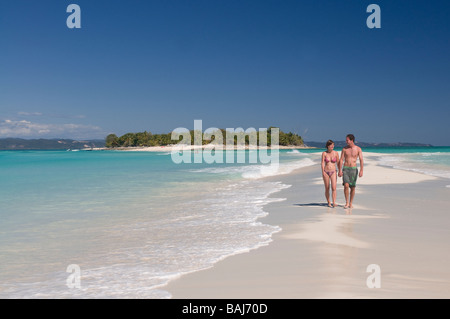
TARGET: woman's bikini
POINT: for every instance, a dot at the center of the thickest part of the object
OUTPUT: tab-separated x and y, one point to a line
333	160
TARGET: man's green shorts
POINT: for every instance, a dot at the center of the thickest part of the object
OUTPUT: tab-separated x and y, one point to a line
350	174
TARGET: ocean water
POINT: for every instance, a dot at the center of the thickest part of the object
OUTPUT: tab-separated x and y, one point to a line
433	161
129	221
133	221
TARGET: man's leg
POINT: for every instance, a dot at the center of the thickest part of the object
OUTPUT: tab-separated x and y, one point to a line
346	191
352	195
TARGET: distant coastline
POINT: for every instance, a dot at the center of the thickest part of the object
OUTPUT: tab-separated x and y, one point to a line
97	144
339	144
8	144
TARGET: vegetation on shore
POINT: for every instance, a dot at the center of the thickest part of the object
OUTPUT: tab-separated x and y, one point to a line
145	139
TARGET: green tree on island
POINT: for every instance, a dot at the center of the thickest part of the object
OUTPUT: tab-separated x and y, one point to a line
145	139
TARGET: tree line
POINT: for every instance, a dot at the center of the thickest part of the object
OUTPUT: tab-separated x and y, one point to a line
145	139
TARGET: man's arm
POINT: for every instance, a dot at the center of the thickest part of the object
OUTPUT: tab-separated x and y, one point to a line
361	163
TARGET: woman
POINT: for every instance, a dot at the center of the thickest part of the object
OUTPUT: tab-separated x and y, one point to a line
329	160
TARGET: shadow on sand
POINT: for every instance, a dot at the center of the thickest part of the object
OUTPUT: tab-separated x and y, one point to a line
316	205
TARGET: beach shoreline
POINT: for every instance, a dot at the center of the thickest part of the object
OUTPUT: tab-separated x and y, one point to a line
324	252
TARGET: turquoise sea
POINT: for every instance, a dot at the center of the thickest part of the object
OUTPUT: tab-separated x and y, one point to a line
434	161
132	221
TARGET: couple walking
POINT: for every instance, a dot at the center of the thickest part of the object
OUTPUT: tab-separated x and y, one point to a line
347	167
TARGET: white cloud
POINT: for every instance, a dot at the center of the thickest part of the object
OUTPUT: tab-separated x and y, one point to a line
52	115
30	113
27	129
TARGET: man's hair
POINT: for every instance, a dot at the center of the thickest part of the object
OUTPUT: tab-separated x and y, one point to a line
329	142
351	137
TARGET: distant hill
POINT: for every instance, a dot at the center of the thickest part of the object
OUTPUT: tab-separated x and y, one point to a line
47	144
340	144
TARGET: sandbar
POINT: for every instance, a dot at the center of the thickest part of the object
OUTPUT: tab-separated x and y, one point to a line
399	222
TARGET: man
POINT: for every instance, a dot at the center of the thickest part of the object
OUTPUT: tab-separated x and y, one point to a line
349	171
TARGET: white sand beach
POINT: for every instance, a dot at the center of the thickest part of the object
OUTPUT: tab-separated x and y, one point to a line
399	222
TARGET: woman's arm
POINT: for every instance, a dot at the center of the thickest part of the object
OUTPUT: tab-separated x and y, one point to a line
323	162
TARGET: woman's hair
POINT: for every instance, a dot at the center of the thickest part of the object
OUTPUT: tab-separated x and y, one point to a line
329	142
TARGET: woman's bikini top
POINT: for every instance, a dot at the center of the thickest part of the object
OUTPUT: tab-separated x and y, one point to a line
333	160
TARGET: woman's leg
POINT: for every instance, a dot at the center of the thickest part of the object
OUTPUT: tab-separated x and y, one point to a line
326	181
333	187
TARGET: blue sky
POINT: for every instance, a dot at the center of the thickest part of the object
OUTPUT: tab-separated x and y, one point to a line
312	67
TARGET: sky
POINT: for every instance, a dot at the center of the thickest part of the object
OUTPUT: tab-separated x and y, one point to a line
311	67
